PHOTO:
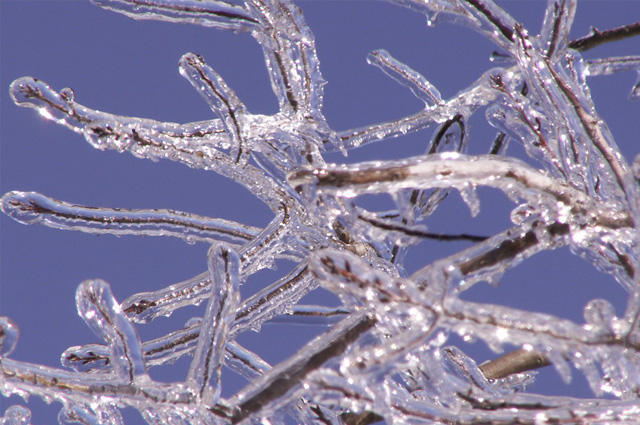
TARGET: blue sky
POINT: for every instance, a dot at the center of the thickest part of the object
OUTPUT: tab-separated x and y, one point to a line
122	66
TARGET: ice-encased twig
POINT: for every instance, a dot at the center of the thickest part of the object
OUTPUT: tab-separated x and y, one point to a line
104	316
576	115
212	13
144	307
149	139
419	86
597	37
418	312
514	177
566	209
169	348
556	26
96	125
278	385
484	16
465	103
164	350
64	386
275	299
290	55
224	270
220	98
611	65
32	208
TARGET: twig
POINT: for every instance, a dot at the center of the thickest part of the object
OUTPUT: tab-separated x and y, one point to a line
598	37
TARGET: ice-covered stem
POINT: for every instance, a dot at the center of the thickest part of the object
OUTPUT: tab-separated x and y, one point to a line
290	54
213	13
32	208
419	86
224	269
420	310
465	103
146	306
198	145
176	344
279	385
221	99
598	37
515	178
69	387
104	316
559	94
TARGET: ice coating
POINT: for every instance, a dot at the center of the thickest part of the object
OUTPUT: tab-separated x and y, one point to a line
216	324
383	354
32	208
105	318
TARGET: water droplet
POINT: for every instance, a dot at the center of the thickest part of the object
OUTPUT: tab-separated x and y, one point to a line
17	415
67	94
8	336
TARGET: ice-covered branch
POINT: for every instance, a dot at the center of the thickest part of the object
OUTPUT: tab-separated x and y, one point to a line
106	319
465	103
224	267
32	207
383	354
221	99
598	37
212	13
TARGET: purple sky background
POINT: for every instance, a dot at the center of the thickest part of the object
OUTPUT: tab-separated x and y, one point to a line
127	67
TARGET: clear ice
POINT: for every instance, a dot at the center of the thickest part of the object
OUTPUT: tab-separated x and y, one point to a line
385	356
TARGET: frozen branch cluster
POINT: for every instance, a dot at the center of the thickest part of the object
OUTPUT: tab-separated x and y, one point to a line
385	357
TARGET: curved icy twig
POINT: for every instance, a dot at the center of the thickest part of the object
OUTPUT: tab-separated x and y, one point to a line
103	315
34	208
221	99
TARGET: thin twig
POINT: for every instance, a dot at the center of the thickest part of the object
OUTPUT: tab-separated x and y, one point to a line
598	37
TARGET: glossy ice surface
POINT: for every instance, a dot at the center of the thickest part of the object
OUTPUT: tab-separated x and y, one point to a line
386	352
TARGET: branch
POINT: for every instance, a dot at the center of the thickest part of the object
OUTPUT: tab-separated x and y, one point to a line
34	208
597	37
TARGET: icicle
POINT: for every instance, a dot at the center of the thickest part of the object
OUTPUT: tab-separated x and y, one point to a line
470	197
